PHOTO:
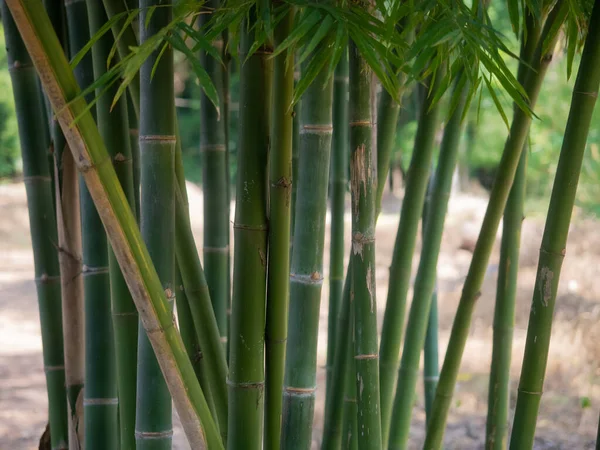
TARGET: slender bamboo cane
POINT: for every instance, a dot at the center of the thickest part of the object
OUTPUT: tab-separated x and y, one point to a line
70	259
506	288
554	240
114	129
338	186
332	434
134	145
246	371
214	178
362	177
295	148
499	195
418	318
280	187
349	435
69	241
306	277
31	123
400	270
430	350
431	366
100	394
89	152
154	427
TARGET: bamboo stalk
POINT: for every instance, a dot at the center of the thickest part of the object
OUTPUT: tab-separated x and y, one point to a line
153	426
100	394
246	359
306	275
114	128
362	177
89	152
430	349
213	150
400	269
418	319
498	197
280	189
349	434
338	187
31	123
506	288
554	240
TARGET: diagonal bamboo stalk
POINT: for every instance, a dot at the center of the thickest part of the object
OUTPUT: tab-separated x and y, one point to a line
91	158
554	240
487	236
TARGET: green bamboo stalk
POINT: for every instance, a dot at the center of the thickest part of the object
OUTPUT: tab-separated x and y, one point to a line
306	275
246	370
418	318
349	434
431	366
32	122
134	145
400	269
554	240
69	240
114	129
366	357
498	197
338	186
153	426
88	150
506	288
214	178
430	350
100	394
280	188
70	259
295	153
332	434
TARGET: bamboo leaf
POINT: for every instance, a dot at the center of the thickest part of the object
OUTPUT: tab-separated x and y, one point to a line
321	32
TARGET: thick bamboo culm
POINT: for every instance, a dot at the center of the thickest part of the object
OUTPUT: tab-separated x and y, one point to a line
213	150
554	240
32	122
483	248
362	290
153	425
246	347
306	273
280	191
113	125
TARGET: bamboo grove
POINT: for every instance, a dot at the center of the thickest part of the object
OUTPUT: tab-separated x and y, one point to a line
135	320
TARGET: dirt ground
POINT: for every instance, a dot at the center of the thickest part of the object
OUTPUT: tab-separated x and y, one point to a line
569	410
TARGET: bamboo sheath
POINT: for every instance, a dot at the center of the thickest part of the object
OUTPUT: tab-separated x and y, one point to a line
92	160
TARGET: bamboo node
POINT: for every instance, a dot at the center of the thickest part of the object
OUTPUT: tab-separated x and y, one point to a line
213	148
100	401
32	178
317	129
153	434
299	390
239	226
167	139
361	123
224	249
90	270
47	279
246	385
367	356
313	278
587	94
